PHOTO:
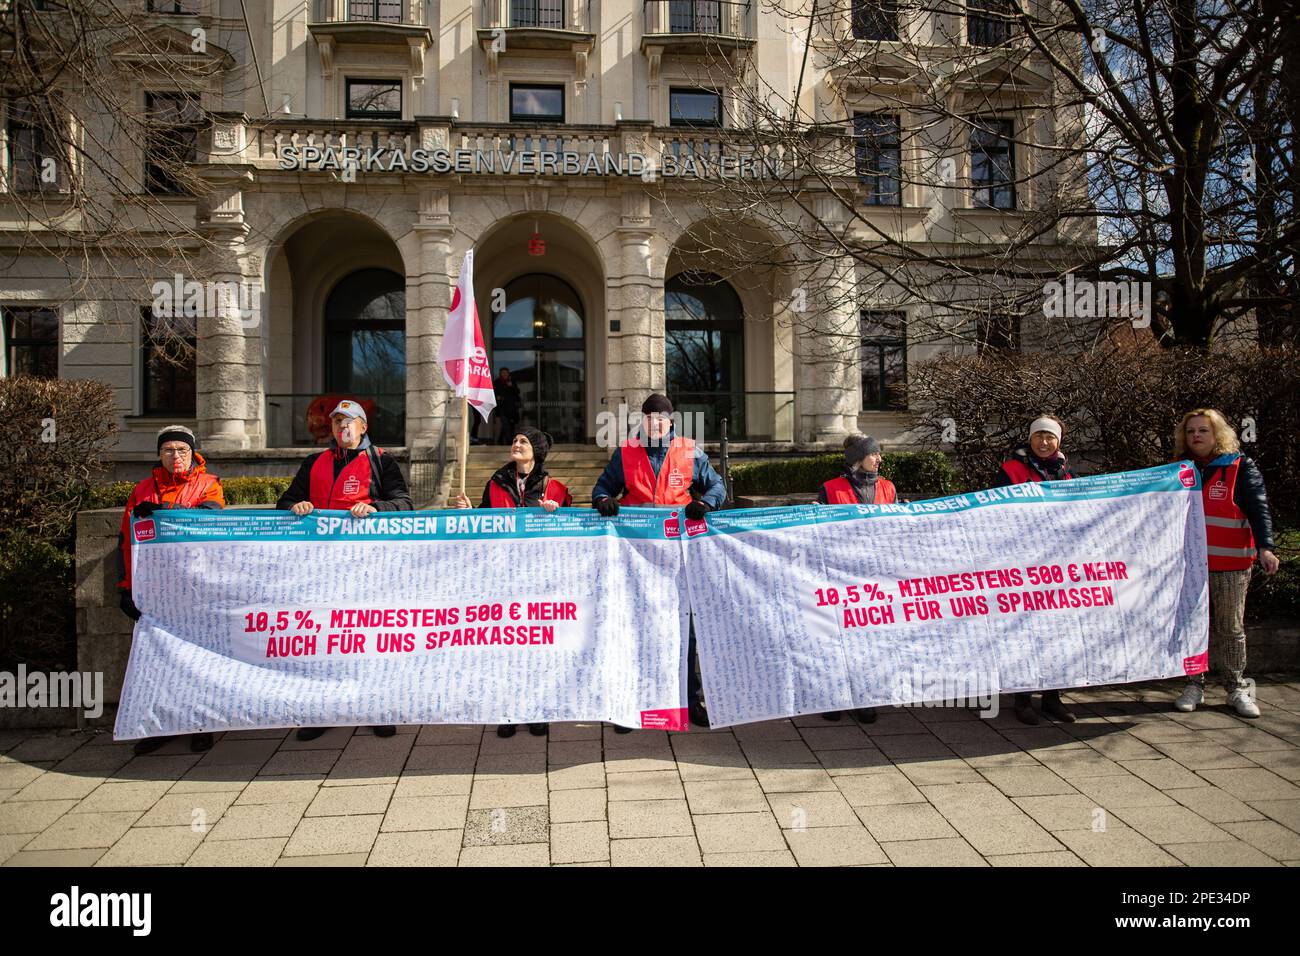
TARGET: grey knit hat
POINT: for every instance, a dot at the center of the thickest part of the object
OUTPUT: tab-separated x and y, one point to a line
858	447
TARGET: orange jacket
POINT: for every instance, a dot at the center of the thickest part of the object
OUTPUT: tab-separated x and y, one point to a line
194	489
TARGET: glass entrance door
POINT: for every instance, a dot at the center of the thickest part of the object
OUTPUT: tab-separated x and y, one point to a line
539	338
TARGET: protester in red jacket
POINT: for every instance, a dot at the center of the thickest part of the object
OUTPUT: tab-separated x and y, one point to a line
1040	460
179	480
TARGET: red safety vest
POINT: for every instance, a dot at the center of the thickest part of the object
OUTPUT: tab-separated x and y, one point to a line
498	497
1020	472
350	487
1229	542
676	474
839	491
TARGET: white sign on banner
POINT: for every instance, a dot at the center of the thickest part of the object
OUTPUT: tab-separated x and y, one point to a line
263	619
1091	581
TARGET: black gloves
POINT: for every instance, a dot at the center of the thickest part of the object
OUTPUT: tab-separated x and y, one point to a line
606	506
696	510
128	606
143	510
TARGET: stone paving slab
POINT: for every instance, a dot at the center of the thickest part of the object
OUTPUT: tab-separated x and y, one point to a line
1131	783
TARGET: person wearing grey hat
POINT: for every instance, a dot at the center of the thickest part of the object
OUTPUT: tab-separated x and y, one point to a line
351	475
1040	459
179	480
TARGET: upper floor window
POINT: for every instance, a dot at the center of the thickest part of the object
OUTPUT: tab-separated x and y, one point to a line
695	16
694	108
993	163
34	148
547	14
384	11
374	99
879	157
171	141
875	20
530	103
168	364
883	352
988	22
998	333
174	6
31	341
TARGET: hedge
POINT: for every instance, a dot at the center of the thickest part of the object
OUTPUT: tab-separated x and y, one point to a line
253	490
920	474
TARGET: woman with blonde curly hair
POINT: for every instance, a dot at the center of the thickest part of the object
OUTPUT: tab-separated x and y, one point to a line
1238	529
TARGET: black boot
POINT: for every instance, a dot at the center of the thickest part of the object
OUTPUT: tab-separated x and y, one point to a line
149	744
200	742
864	715
698	714
618	729
505	730
1025	710
310	733
1053	707
539	730
833	715
385	730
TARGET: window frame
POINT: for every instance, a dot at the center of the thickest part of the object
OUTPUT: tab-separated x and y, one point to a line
350	81
158	179
1006	325
8	314
147	349
880	345
980	126
696	91
43	135
988	19
874	20
861	149
541	119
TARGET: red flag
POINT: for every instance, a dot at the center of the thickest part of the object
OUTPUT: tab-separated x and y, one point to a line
464	360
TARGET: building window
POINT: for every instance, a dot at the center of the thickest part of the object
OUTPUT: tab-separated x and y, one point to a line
988	22
546	14
694	108
883	353
383	11
998	333
34	149
875	20
190	7
171	141
167	359
374	99
993	163
31	342
695	16
530	103
879	156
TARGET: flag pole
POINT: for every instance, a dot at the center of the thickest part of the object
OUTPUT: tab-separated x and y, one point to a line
464	439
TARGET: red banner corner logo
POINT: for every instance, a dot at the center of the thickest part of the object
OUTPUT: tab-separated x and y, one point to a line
673	718
1187	475
1198	664
144	530
672	527
696	527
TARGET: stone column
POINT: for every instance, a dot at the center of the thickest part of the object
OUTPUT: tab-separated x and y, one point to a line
428	299
824	310
635	300
228	364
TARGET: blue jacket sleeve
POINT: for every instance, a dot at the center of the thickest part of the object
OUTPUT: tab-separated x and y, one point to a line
610	484
707	483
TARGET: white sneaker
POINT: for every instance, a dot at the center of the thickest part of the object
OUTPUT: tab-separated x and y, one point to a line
1242	704
1190	698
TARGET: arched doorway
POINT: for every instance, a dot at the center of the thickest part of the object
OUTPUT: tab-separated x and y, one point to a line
704	349
538	336
365	347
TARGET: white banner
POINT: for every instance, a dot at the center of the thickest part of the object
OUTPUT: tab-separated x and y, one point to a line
1051	585
262	619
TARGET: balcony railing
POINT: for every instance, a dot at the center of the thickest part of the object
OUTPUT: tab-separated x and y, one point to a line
407	12
534	15
715	18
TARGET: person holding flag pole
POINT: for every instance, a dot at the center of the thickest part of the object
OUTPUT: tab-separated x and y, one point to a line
464	359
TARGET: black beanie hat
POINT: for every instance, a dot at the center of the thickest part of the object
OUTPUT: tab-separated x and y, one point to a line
858	447
540	441
177	433
657	403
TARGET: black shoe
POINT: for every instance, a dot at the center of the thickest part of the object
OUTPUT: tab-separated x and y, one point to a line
149	744
1025	714
622	730
833	715
310	733
1053	707
864	715
698	714
539	730
506	730
200	742
385	730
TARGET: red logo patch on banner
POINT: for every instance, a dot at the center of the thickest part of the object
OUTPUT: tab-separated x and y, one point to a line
672	718
144	530
696	527
672	528
1198	664
1187	475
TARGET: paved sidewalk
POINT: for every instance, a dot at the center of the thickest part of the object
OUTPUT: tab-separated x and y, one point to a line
1131	783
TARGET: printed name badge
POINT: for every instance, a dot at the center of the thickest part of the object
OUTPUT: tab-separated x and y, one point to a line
144	530
675	480
1218	491
351	486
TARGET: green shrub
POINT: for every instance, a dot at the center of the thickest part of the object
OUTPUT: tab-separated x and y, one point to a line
37	604
1279	595
252	490
917	474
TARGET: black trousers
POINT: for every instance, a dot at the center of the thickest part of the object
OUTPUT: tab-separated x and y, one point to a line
694	683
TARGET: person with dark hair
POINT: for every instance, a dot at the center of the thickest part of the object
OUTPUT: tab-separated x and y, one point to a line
508	405
1039	460
523	482
657	467
179	480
